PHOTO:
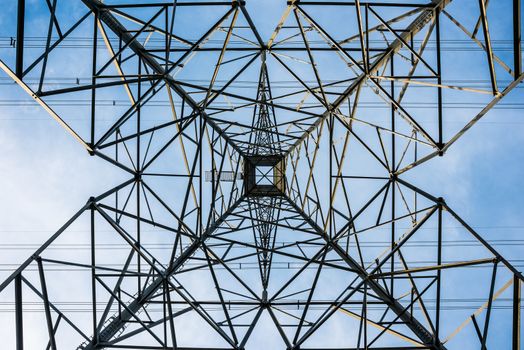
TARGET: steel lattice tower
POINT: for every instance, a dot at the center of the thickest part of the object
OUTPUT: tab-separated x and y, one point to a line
269	201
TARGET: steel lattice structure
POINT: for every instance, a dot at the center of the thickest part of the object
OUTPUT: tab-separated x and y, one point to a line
267	167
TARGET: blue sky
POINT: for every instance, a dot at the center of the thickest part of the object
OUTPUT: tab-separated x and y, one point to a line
47	176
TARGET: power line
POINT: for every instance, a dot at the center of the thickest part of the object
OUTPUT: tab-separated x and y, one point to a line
450	45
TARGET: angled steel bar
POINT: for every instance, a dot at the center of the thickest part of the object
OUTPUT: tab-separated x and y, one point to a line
489	49
113	327
132	39
39	293
440	201
26	263
226	226
424	335
381	327
401	39
55	328
417	25
47	309
55	20
41	102
220	295
131	312
478	42
112	23
434	268
488	309
52	9
496	99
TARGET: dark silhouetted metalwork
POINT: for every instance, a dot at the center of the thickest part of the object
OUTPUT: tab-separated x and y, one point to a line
267	183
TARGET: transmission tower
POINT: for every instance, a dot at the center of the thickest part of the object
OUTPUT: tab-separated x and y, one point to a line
270	199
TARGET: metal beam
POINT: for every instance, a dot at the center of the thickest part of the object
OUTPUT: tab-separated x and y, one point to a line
416	327
416	26
19	313
516	329
104	15
20	26
517	38
126	315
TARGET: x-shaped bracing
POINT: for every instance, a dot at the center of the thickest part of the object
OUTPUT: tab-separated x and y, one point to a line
426	16
367	71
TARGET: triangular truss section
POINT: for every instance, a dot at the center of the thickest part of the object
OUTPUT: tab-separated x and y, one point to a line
265	201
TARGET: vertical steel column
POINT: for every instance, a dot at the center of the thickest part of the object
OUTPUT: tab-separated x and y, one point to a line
138	175
439	271
517	37
439	80
19	313
19	70
93	78
331	195
516	313
392	170
93	272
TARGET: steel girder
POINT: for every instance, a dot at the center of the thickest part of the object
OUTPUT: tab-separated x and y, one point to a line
268	177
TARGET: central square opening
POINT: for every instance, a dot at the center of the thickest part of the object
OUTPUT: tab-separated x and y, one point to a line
264	175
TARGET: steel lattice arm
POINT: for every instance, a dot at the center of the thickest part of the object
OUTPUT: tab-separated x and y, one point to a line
424	335
264	197
428	14
105	16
